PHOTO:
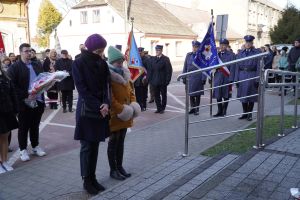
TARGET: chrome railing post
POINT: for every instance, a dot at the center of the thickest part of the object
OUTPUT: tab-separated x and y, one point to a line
281	133
260	108
187	106
296	103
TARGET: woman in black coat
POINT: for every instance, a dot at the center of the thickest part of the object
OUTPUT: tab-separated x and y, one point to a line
91	76
8	121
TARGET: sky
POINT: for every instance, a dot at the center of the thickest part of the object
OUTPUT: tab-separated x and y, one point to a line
35	4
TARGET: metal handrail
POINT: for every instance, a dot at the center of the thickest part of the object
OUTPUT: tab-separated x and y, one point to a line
256	77
222	133
236	99
220	65
218	118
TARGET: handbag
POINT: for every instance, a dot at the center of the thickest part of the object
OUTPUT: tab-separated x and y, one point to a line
87	112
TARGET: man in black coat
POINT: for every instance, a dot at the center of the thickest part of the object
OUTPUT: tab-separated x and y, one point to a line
294	55
159	75
141	85
22	74
81	47
66	86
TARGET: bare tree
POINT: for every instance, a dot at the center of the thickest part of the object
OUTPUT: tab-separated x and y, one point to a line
66	5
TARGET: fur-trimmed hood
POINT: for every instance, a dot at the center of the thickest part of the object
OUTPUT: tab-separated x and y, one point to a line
115	77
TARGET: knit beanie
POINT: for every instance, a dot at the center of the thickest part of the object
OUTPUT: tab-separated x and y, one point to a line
114	54
94	42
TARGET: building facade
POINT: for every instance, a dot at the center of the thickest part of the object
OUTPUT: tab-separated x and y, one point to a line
152	26
255	17
14	23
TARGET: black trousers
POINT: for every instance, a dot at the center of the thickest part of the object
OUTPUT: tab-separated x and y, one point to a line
67	96
29	121
115	149
248	107
160	93
141	95
195	101
151	92
53	95
88	158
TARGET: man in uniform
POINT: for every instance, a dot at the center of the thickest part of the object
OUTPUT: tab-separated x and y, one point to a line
245	70
141	85
223	93
159	76
196	82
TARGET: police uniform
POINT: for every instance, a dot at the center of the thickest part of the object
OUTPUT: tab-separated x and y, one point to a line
196	82
245	70
223	93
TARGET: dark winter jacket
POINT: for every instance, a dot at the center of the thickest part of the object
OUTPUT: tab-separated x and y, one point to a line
8	98
160	71
293	56
92	80
268	60
36	61
20	76
65	64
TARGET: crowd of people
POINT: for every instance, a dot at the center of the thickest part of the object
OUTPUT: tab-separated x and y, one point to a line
108	101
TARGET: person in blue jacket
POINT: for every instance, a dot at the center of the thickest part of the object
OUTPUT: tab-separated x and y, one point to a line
245	70
223	93
196	82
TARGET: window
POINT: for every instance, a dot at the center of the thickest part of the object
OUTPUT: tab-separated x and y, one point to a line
178	48
96	16
83	17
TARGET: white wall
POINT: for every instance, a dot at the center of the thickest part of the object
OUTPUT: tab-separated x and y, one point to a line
13	36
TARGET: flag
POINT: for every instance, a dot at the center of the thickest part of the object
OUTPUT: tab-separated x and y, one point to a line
207	54
2	48
133	58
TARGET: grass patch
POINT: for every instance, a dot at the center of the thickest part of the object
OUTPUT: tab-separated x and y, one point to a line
244	141
292	102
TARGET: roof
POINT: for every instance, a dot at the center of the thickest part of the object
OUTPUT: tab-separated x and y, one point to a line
187	15
270	4
154	20
90	3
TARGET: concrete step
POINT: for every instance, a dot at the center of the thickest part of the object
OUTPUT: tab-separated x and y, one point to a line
154	180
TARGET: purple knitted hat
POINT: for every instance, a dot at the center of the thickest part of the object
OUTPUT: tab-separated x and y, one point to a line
94	42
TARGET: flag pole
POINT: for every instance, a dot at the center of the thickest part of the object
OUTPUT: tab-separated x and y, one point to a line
212	76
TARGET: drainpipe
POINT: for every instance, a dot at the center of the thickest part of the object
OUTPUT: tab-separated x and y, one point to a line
28	26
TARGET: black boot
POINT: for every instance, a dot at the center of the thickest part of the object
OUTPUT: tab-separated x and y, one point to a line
88	186
64	110
245	107
112	154
97	185
250	109
225	105
220	110
196	111
120	153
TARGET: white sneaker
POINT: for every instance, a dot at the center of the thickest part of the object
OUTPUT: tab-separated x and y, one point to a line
38	151
6	166
2	170
24	155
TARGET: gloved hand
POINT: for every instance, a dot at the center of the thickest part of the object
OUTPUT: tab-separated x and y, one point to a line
237	85
184	81
203	82
256	84
209	81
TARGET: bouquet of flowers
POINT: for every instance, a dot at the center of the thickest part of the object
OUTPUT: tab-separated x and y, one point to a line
43	82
